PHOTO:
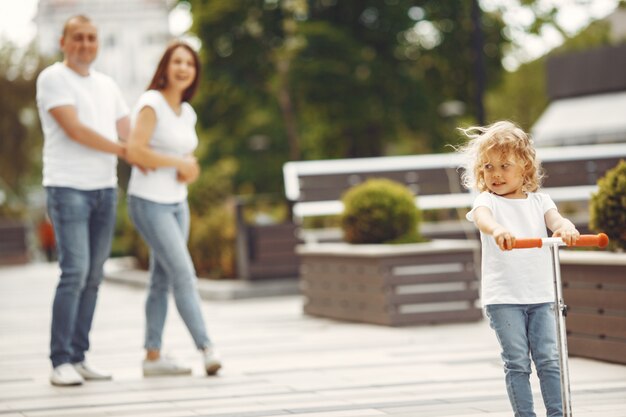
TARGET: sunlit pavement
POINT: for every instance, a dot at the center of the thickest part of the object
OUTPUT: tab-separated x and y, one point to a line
277	362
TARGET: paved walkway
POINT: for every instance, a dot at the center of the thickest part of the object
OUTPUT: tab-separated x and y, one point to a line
278	362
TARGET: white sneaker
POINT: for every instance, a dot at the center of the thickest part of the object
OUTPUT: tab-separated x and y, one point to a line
164	366
89	373
65	375
212	362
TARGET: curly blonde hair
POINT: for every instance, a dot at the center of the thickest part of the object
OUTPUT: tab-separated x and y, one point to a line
507	138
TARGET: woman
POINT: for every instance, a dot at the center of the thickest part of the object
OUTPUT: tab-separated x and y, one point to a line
162	140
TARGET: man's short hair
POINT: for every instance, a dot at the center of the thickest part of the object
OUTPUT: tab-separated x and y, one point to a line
80	18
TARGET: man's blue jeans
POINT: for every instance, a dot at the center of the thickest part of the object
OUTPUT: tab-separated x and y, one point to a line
84	222
165	228
525	331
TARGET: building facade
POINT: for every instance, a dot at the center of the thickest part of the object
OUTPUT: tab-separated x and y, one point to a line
587	91
133	35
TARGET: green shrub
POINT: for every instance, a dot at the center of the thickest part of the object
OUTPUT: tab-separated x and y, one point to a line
608	206
380	211
212	242
213	229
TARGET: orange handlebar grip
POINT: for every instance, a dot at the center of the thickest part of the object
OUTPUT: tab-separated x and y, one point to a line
528	243
600	240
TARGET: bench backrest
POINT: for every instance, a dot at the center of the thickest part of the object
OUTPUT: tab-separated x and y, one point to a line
315	187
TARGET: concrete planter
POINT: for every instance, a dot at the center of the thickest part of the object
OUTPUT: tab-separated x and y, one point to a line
394	285
594	289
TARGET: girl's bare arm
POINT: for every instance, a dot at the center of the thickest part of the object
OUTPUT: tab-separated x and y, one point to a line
487	224
561	227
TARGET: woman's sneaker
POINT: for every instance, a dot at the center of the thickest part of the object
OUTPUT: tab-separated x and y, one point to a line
65	375
164	366
212	363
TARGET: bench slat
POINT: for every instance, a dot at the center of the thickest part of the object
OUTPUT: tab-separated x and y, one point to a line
441	201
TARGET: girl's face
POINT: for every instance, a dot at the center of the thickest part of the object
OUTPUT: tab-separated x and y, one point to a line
503	175
181	70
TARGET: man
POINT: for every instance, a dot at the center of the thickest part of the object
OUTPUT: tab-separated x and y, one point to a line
82	115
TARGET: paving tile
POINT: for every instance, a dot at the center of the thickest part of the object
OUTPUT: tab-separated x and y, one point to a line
277	362
242	412
342	413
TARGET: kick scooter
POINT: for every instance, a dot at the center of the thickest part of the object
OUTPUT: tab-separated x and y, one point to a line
600	240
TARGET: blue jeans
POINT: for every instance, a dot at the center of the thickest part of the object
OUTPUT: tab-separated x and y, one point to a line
84	222
165	228
525	331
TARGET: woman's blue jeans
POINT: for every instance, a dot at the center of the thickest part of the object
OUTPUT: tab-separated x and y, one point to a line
83	222
165	228
525	331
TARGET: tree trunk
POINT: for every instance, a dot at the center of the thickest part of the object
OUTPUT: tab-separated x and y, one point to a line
286	109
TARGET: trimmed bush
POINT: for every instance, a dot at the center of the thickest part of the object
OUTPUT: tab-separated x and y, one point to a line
380	211
608	206
212	242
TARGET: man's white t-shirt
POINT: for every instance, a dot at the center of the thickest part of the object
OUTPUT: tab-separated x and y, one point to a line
519	276
174	134
99	105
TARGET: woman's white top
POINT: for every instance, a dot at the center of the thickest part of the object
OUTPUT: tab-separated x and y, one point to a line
99	105
519	276
173	135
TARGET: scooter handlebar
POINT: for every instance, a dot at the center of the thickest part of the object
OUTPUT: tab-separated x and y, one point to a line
528	243
600	240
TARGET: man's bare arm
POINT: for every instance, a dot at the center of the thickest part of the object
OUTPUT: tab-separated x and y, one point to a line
67	118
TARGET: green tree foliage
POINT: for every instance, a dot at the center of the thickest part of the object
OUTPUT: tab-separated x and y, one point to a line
521	96
235	104
296	79
20	135
213	232
595	35
356	85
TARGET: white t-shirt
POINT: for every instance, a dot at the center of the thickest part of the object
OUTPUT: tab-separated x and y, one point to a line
99	105
519	276
174	135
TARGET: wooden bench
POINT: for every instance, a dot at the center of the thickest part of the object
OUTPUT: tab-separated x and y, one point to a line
370	283
315	187
13	242
265	251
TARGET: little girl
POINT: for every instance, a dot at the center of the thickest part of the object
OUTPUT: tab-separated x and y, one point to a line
517	289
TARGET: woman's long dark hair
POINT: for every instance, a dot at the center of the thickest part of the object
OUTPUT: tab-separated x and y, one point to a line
159	79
